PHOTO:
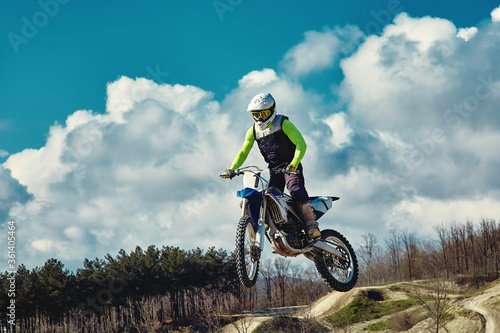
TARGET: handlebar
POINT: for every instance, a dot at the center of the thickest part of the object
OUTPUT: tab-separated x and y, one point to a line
254	169
241	171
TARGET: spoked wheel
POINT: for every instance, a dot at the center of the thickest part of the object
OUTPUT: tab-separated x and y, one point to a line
247	253
339	273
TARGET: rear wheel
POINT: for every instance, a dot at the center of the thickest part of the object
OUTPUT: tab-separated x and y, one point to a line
339	273
247	252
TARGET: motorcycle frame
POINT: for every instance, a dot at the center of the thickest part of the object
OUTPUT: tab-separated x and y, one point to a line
259	225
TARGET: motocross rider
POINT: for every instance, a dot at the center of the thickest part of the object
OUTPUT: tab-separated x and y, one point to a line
280	142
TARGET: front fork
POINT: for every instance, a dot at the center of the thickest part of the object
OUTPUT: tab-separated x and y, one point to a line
258	243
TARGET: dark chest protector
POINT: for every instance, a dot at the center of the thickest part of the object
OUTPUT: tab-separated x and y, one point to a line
275	146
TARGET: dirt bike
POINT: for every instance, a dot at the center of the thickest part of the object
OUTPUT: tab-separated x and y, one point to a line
268	212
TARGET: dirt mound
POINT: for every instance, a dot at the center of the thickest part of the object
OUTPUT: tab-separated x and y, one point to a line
328	304
469	314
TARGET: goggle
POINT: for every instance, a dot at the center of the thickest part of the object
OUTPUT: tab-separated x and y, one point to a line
261	115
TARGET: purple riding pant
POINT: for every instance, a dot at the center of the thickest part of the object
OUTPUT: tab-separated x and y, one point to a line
294	183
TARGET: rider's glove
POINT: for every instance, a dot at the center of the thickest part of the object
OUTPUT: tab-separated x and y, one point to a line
291	168
228	174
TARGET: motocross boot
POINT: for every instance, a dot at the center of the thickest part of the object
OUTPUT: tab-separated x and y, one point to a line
310	218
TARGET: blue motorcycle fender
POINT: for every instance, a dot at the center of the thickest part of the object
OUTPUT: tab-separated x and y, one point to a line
254	197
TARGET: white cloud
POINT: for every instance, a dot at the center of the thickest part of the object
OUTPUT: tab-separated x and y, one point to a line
3	153
47	159
315	53
258	78
478	144
341	131
495	14
425	31
467	33
110	181
431	103
409	59
319	50
410	214
414	126
11	193
43	245
145	172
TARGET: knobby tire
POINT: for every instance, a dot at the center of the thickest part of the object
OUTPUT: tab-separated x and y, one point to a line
325	263
244	261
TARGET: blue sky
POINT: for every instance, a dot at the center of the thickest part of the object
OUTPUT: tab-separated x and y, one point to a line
115	117
66	64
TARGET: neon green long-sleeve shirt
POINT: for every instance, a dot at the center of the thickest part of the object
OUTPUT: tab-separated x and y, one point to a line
289	129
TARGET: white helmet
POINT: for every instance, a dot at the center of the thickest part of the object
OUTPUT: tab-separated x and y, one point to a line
263	109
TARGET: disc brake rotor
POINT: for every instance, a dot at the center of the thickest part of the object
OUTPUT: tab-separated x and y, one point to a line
339	263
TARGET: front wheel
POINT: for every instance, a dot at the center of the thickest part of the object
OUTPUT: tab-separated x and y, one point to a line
339	273
247	252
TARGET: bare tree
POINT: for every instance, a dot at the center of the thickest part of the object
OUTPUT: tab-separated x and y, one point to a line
496	247
455	241
267	273
313	286
295	279
308	322
394	251
464	244
243	324
281	266
486	229
368	254
436	303
443	240
210	312
469	226
431	259
409	241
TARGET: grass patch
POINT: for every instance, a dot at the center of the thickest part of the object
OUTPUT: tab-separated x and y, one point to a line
378	326
365	308
287	324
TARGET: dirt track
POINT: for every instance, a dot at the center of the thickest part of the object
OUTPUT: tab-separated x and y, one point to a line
327	304
485	303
